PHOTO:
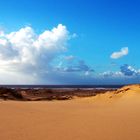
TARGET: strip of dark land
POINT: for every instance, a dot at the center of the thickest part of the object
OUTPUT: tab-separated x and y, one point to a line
36	94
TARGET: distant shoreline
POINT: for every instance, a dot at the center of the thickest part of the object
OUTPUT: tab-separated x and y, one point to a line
63	86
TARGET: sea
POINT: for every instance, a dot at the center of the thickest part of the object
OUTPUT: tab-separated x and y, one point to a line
63	86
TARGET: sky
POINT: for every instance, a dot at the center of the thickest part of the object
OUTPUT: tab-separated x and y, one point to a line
69	42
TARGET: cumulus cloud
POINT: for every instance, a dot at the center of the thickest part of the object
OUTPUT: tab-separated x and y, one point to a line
24	51
81	66
125	71
78	66
25	47
110	74
119	54
129	70
29	58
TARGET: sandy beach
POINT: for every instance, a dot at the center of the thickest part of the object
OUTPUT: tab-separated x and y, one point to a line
110	116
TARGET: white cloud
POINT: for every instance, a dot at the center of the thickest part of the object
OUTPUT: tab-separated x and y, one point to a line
125	71
25	52
121	53
30	58
80	66
110	74
128	70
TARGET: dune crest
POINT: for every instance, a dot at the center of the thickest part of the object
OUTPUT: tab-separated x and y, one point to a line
128	92
129	88
131	92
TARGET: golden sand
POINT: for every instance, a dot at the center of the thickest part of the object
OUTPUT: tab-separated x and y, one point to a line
108	116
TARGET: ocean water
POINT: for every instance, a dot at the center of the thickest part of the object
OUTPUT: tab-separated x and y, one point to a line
63	86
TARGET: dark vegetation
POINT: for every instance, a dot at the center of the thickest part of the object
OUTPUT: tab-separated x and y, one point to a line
122	91
47	94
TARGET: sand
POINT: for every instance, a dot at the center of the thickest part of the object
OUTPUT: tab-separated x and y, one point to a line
103	117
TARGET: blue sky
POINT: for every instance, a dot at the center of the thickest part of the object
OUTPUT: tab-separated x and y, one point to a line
100	41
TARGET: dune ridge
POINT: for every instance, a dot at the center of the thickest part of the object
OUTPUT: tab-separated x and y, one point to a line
128	90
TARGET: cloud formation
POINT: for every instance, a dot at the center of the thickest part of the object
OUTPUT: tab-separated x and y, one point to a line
24	48
125	71
30	58
81	66
119	54
27	57
129	70
110	74
71	64
24	51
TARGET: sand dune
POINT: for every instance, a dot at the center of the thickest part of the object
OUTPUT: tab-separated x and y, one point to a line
111	116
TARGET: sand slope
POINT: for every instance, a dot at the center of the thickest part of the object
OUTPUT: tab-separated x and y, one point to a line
111	116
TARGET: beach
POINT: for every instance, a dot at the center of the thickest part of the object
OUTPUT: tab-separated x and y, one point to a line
106	116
